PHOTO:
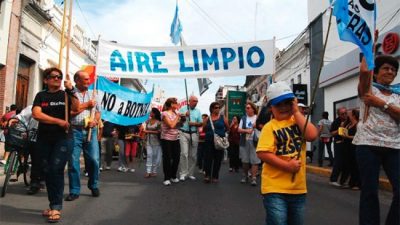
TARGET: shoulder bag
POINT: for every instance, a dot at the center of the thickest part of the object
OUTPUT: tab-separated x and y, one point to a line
220	143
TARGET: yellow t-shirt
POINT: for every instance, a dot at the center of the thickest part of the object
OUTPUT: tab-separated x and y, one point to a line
282	138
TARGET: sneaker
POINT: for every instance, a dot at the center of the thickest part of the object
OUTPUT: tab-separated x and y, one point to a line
244	180
101	169
253	182
175	180
230	169
182	178
167	182
71	197
334	183
192	177
3	162
33	190
108	167
86	174
132	170
122	169
95	192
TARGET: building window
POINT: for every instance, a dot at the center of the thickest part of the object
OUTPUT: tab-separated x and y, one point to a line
292	81
299	79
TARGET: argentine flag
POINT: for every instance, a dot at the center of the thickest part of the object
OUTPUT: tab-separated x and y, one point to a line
356	21
176	28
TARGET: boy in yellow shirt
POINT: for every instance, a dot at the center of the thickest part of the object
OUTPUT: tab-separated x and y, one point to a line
278	146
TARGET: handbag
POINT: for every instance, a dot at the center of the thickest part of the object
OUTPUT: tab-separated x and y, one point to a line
256	136
220	143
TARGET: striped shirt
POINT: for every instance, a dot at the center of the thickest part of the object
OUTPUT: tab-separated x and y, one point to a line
168	133
79	120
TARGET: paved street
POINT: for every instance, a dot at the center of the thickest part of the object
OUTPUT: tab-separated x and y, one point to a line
128	198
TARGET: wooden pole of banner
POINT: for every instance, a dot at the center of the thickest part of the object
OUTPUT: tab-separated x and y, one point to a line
187	98
366	111
314	91
67	56
60	54
94	93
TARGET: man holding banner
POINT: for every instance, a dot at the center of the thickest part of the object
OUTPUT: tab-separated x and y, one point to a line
81	123
189	139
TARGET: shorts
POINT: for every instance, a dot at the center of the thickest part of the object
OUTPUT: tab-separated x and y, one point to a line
248	153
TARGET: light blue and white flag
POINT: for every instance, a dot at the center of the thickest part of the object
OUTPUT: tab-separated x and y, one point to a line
356	21
121	105
176	27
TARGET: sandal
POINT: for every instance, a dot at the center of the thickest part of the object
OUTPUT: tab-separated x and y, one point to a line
54	217
46	212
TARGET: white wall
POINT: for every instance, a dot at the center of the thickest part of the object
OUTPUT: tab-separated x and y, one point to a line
5	16
341	90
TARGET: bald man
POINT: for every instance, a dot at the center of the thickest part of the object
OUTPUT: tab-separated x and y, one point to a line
189	139
80	131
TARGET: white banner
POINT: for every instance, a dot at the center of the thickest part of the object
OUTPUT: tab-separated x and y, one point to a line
239	59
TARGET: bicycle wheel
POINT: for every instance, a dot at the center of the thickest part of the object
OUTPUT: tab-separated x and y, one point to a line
26	165
11	161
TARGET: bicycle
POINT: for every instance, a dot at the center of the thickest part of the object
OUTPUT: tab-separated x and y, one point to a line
18	161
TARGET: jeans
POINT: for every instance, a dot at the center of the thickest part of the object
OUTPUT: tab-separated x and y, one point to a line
91	155
188	158
122	162
369	159
36	170
284	209
54	154
321	152
153	159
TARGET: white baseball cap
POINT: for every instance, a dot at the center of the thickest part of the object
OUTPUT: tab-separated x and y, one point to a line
278	92
301	105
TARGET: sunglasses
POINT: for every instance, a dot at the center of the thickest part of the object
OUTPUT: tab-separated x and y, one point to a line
55	77
216	107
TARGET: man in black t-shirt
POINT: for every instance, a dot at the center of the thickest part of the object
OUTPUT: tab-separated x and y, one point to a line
338	146
53	135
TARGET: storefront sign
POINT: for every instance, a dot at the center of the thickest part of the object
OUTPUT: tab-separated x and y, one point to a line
300	91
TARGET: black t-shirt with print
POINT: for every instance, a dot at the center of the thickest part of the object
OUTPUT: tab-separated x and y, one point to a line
52	104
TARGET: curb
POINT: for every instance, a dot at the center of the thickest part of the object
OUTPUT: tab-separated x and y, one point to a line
324	172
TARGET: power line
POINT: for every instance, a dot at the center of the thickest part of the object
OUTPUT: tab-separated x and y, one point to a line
84	18
205	15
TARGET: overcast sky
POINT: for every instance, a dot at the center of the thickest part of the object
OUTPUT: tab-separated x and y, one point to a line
147	23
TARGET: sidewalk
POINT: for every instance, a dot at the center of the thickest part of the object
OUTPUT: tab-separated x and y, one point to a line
325	171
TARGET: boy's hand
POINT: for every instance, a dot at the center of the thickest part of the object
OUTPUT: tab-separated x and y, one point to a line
294	165
295	107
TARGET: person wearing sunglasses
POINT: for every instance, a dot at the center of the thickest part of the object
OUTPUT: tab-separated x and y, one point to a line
212	156
53	136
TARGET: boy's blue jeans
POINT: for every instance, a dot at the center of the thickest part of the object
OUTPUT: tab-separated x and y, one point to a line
284	209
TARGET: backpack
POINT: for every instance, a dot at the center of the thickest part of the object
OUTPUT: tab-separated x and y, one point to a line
17	133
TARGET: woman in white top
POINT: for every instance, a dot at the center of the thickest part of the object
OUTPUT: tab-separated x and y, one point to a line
247	147
378	138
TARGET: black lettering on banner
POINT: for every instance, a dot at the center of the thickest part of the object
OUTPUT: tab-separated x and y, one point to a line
128	108
108	101
354	6
366	5
121	107
359	28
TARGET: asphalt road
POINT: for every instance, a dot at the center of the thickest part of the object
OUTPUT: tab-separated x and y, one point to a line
128	198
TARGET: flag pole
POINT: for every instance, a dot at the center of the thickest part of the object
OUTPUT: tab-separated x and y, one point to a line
182	42
92	110
60	54
314	91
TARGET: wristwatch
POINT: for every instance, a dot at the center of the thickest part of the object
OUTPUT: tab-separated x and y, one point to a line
386	106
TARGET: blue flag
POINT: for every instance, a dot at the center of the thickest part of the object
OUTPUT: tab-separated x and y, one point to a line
356	21
176	28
